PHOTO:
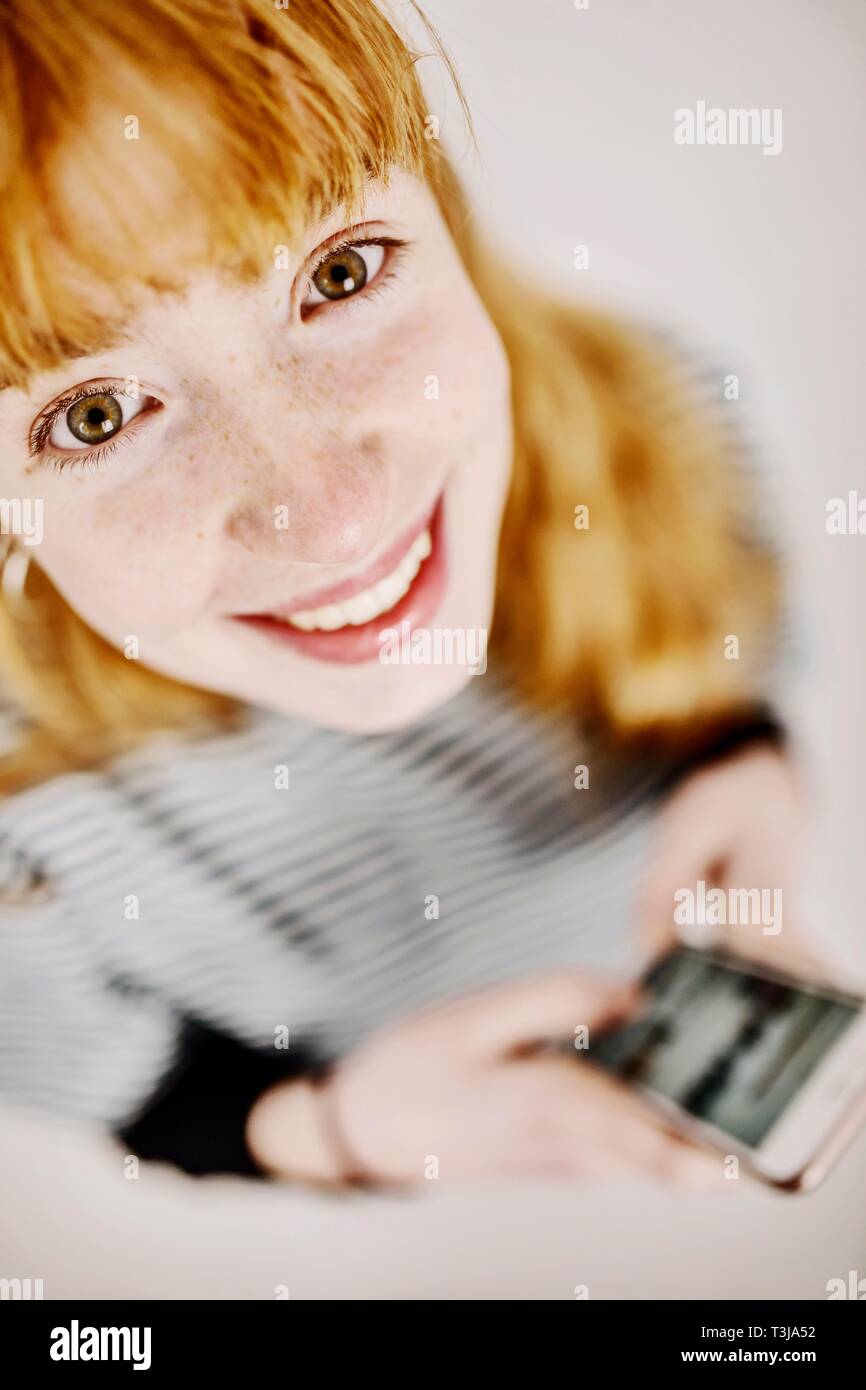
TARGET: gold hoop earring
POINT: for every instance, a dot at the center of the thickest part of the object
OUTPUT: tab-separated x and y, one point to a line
14	568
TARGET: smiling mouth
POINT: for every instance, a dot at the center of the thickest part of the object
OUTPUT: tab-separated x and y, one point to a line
369	603
344	624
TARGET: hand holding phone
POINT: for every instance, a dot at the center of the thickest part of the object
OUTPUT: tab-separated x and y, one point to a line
758	1064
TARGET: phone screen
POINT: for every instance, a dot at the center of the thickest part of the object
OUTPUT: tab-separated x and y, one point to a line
730	1047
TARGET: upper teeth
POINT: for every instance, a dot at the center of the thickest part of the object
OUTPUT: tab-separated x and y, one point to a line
363	607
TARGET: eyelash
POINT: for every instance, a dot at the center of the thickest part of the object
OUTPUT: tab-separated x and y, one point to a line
90	458
87	458
94	458
384	280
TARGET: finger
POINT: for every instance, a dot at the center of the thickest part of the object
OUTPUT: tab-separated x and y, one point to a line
607	1129
788	951
509	1017
664	1155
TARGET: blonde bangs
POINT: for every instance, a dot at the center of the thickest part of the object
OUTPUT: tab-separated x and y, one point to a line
259	121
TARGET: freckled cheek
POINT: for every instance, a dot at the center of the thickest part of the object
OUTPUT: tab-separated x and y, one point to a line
133	570
446	373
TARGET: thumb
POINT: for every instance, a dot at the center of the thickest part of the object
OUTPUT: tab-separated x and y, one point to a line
551	1006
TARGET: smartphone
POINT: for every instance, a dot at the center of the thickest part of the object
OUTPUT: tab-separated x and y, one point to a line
763	1066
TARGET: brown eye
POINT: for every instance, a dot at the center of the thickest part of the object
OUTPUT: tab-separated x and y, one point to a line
93	419
345	271
340	275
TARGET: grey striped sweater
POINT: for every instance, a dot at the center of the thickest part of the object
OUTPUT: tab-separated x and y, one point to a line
189	882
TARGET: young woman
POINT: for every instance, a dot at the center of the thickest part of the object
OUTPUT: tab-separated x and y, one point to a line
297	871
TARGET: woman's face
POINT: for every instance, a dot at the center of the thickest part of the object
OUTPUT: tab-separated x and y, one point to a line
255	482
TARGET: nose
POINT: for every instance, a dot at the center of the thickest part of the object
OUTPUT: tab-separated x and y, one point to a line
325	506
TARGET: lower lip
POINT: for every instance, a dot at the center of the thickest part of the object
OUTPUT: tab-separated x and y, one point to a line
349	646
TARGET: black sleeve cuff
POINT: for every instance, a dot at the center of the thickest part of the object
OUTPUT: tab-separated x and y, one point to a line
197	1119
760	725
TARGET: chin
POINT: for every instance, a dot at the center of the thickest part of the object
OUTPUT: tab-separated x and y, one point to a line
407	697
370	699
